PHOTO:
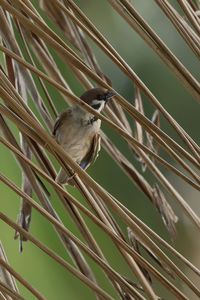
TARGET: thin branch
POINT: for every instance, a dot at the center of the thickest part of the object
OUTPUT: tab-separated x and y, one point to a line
21	279
124	245
56	257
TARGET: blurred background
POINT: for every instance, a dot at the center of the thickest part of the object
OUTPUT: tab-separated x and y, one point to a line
39	269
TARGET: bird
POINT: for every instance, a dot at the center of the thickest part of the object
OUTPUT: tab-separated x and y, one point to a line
77	130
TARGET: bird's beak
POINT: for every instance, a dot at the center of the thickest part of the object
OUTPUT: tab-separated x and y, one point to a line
109	95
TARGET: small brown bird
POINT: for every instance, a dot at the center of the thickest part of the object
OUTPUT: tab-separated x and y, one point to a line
77	130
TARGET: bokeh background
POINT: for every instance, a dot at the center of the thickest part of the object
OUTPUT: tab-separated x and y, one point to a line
40	270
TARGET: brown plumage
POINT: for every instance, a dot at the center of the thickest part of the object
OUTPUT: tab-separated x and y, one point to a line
77	131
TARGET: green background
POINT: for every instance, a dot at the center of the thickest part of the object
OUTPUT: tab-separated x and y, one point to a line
46	275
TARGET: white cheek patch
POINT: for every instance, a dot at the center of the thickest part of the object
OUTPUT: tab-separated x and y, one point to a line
98	105
95	102
102	106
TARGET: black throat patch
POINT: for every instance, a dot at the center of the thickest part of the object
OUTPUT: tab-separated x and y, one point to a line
96	106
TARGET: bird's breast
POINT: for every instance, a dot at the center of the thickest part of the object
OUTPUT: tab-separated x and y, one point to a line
77	139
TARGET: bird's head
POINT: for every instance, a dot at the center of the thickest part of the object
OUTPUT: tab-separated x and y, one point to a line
97	98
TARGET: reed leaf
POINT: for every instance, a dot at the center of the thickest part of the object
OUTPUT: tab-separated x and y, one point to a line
50	52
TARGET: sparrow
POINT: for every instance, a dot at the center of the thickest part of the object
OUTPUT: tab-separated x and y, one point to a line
77	130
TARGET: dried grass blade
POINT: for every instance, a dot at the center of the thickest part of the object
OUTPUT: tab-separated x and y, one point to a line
73	33
11	44
134	145
73	250
67	232
62	153
104	214
135	269
5	275
138	127
155	236
190	13
24	216
12	273
128	168
51	142
79	261
56	257
45	141
3	296
127	288
168	216
142	86
150	141
133	240
42	158
149	36
189	36
30	11
83	46
120	114
8	291
194	5
44	57
135	245
93	76
60	19
174	124
133	112
103	226
154	195
142	225
101	117
82	173
51	104
139	106
140	180
25	211
153	247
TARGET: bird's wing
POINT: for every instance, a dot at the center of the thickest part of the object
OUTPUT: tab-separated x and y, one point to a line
60	119
92	153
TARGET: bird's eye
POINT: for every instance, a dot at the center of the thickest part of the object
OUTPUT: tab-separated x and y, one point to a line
100	97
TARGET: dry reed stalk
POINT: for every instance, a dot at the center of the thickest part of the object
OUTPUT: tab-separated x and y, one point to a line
67	197
8	291
8	274
64	230
74	168
36	142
